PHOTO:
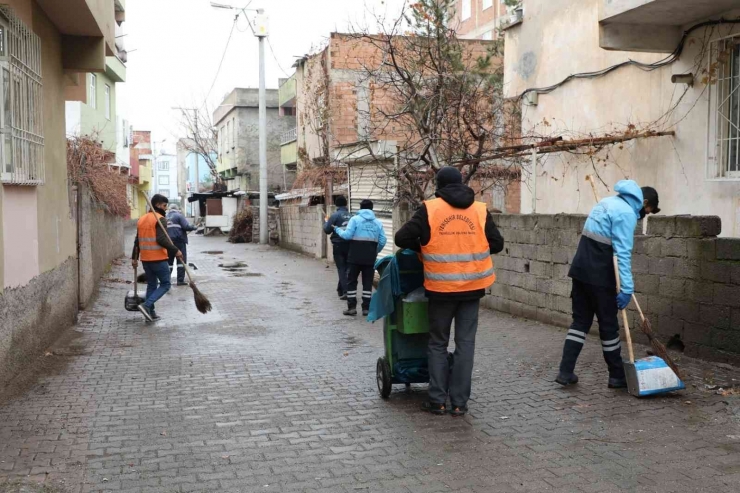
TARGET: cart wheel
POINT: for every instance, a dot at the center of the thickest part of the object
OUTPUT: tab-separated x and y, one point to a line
383	377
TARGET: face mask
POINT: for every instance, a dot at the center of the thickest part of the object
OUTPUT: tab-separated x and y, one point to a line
642	213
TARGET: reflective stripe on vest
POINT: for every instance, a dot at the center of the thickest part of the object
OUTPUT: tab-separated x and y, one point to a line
150	250
457	257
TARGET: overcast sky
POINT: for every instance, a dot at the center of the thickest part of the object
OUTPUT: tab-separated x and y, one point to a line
179	43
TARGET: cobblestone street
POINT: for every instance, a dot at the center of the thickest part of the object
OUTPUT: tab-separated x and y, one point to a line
274	390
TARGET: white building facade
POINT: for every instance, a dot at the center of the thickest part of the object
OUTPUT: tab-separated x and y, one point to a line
165	177
687	82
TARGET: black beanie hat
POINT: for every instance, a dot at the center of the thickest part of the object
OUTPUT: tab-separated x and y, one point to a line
449	175
366	204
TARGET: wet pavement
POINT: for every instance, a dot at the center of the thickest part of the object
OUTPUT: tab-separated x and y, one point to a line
274	390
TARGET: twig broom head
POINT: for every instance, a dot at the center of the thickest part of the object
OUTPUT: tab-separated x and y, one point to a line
201	302
658	347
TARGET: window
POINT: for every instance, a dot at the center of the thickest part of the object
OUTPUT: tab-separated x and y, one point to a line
164	193
124	137
93	97
107	101
233	133
21	103
164	166
487	4
723	78
164	180
228	136
466	9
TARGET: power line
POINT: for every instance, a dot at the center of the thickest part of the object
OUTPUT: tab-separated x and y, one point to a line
220	64
647	67
276	60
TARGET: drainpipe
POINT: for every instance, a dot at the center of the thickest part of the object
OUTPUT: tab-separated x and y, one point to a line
534	181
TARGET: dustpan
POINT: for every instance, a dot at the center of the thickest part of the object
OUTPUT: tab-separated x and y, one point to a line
133	300
646	376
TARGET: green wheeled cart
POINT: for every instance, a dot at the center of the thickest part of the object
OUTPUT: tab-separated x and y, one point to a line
406	337
400	302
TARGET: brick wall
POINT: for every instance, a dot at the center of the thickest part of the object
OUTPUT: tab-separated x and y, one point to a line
687	280
300	229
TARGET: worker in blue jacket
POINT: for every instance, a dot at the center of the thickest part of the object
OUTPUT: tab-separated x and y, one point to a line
366	240
608	232
177	228
340	247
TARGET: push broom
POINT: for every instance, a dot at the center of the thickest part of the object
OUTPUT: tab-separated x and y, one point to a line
646	376
201	302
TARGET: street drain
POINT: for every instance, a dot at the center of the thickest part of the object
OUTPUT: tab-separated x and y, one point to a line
213	252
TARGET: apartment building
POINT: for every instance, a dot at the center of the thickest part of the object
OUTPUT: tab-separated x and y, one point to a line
47	50
690	86
166	176
237	121
479	19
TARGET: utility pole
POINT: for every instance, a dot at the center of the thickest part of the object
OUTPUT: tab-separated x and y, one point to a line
261	32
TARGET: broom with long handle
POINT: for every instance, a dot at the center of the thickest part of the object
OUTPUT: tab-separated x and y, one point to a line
201	302
647	329
627	333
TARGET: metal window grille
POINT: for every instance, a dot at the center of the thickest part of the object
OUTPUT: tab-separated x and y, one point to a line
723	160
22	130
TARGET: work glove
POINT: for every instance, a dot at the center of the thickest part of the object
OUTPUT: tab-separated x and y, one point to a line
623	299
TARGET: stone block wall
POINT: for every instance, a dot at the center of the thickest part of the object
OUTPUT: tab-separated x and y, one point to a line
687	280
301	229
100	242
272	224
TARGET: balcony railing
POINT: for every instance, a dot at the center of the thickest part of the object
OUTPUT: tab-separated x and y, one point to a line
288	137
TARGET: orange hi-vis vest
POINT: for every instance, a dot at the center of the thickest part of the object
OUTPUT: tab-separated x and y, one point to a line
150	250
457	257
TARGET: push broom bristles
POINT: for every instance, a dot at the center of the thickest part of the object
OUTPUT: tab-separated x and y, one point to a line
201	302
658	348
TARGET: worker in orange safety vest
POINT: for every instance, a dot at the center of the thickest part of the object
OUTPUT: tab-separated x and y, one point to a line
456	237
153	246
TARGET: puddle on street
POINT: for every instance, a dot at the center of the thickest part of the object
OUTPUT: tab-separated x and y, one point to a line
246	274
213	252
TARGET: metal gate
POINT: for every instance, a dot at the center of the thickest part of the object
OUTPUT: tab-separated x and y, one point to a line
374	181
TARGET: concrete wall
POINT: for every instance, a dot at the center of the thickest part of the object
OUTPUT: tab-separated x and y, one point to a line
687	280
101	242
561	37
33	316
301	229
